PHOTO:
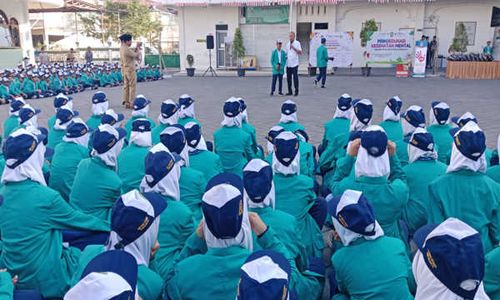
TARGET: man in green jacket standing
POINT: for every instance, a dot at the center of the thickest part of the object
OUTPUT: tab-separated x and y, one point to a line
321	62
278	61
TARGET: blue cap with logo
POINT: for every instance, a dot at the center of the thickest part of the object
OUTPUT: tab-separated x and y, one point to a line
105	137
286	147
257	179
168	108
19	146
374	140
363	109
344	102
61	100
470	141
99	97
158	163
141	125
232	108
141	102
288	107
111	117
27	112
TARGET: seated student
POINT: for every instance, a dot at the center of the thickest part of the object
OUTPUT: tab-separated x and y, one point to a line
249	128
67	156
413	118
162	178
12	122
135	222
229	242
465	191
5	95
392	119
231	142
100	105
192	182
131	159
271	135
43	86
59	101
288	118
140	111
422	169
56	85
374	159
492	273
28	116
494	170
109	275
33	216
97	185
307	154
64	116
29	89
440	129
295	193
462	121
186	110
201	159
363	113
449	263
358	274
112	118
168	116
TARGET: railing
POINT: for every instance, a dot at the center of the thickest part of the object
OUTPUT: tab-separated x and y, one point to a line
99	54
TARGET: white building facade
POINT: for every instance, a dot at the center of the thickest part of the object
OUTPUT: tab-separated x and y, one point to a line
263	22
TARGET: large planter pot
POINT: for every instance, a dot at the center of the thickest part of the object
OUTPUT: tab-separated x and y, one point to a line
241	72
312	71
190	72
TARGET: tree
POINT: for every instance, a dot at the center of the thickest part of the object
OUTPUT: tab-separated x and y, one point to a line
139	22
238	47
369	27
460	40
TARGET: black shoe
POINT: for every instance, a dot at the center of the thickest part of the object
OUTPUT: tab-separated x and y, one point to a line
280	93
322	86
289	94
296	93
315	82
271	94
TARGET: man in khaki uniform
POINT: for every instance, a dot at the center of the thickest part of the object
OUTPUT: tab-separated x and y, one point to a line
128	57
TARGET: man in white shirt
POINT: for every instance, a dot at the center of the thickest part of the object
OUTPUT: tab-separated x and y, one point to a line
293	50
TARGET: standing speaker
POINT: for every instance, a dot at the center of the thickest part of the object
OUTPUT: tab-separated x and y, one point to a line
210	41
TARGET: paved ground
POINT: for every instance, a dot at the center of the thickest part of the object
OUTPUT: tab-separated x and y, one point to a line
315	105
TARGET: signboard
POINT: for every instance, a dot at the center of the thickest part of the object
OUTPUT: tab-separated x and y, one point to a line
266	14
389	48
339	45
249	62
419	59
495	17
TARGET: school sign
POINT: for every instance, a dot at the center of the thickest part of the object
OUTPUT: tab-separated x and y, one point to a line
390	48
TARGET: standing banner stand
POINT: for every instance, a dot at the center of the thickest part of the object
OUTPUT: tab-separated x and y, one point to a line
419	59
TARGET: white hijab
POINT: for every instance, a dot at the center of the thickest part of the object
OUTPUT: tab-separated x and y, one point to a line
168	185
173	119
143	112
16	113
99	286
202	145
81	140
218	196
294	167
33	121
185	151
432	116
29	169
98	109
291	118
345	114
389	114
234	121
57	124
370	166
110	157
356	124
459	162
415	153
407	127
141	139
255	165
185	112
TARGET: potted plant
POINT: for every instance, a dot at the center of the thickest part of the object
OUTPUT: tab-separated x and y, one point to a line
239	50
369	27
190	62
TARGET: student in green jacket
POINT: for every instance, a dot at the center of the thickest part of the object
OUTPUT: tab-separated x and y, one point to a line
67	155
494	170
162	174
307	154
288	118
5	91
15	88
186	110
56	85
422	169
60	100
100	105
33	216
135	222
192	182
439	127
492	273
28	116
465	191
278	61
413	118
271	135
64	116
131	159
374	161
29	89
140	111
201	159
249	128
358	274
321	62
449	263
12	122
392	119
43	86
114	119
363	113
97	185
231	142
295	193
168	117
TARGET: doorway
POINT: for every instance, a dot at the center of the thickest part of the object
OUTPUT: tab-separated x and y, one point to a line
220	45
303	36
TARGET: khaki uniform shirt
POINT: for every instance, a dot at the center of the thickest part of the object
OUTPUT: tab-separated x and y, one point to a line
128	58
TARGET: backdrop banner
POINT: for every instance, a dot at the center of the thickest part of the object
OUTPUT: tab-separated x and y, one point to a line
390	48
339	45
420	59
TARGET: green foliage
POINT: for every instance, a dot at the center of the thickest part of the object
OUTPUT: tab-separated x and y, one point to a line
238	47
139	22
460	40
190	60
369	27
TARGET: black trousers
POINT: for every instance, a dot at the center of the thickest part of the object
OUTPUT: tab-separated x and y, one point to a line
289	73
279	78
322	75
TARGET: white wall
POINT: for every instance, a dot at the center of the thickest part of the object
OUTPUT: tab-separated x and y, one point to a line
19	10
260	40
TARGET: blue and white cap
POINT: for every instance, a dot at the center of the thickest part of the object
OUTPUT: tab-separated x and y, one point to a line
99	97
392	109
140	133
225	213
105	137
421	146
61	100
353	217
470	141
76	128
374	140
174	139
112	118
363	112
344	102
140	102
413	118
64	115
185	101
27	112
16	105
232	107
464	119
258	183
288	107
110	275
440	113
193	134
168	108
20	145
273	133
286	157
265	275
453	252
141	125
373	157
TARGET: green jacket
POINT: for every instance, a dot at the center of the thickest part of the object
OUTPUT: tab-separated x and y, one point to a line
33	216
443	140
192	185
67	156
321	56
4	91
93	122
131	166
393	129
42	85
494	173
307	160
234	146
275	60
492	273
470	196
291	126
28	86
250	129
128	125
184	121
11	123
206	162
55	137
373	269
419	174
402	152
95	188
51	121
55	84
156	132
6	286
335	138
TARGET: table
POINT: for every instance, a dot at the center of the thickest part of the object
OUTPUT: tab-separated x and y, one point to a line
473	70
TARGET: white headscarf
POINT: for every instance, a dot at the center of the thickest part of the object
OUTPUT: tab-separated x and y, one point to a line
414	153
202	145
255	165
109	157
459	162
234	121
356	124
99	286
270	146
432	116
389	114
57	123
33	121
218	196
185	112
171	130
168	185
345	114
294	167
173	119
30	168
370	166
141	139
291	118
99	109
16	113
143	112
407	127
81	140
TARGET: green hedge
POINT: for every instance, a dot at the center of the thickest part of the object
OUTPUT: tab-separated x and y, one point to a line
169	60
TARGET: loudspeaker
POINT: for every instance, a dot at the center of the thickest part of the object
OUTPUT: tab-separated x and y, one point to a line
210	41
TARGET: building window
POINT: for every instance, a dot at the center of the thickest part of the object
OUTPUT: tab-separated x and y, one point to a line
320	26
14	32
324	9
5	39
